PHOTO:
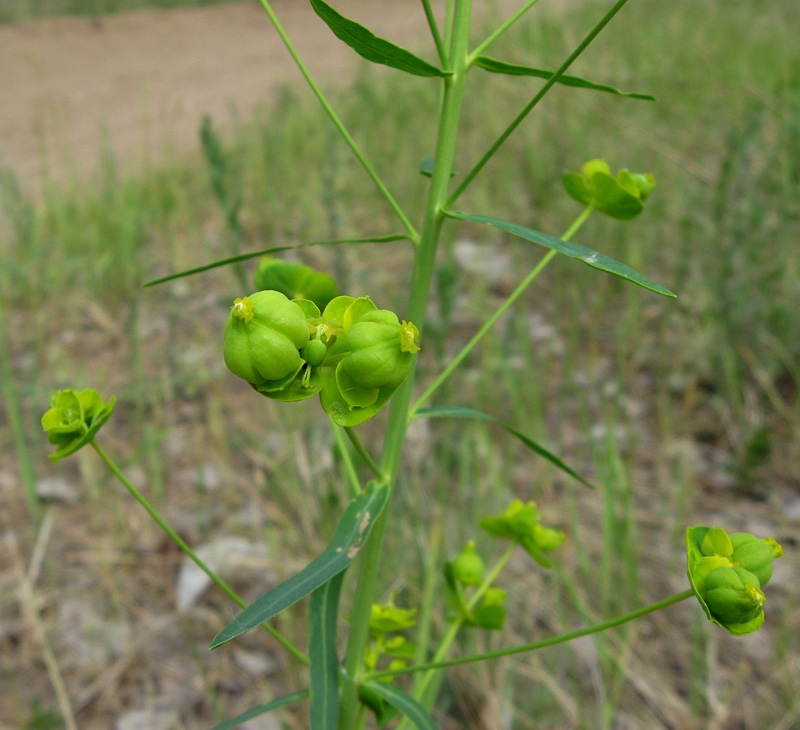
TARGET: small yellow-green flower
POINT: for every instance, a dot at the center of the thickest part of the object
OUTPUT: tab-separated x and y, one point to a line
74	418
620	197
520	523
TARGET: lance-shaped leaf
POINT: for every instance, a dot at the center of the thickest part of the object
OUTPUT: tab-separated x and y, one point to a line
367	44
573	250
324	662
510	69
412	709
459	412
351	533
276	249
261	709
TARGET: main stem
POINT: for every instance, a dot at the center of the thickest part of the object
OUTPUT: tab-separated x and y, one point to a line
418	299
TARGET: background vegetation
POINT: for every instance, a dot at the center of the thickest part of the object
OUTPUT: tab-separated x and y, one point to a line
684	412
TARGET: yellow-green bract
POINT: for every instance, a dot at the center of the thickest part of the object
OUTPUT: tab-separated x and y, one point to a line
74	418
296	281
620	197
727	573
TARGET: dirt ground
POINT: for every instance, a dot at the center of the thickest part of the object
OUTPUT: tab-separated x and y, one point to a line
140	82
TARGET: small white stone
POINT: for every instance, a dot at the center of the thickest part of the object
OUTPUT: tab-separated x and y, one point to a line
156	718
57	489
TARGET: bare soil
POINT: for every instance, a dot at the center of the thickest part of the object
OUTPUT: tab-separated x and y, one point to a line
138	83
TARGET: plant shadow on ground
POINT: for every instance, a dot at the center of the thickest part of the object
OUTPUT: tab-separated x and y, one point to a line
682	412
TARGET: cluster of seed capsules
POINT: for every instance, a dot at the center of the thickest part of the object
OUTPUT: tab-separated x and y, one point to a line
354	355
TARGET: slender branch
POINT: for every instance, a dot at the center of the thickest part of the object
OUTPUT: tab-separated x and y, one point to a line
364	454
339	125
502	29
341	444
221	584
551	641
470	176
437	39
455	626
456	361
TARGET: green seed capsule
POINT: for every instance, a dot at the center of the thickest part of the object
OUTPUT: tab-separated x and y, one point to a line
468	566
314	352
263	336
380	350
734	595
755	555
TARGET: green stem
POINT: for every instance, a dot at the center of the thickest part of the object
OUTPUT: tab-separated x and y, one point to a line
339	125
364	454
455	626
551	641
221	584
341	444
502	29
456	361
470	176
437	39
453	89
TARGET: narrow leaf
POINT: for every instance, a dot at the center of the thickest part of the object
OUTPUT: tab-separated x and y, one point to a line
412	709
324	662
367	44
459	412
426	167
261	709
351	533
573	250
510	69
277	249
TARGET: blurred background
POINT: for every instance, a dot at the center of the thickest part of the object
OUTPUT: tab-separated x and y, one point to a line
151	139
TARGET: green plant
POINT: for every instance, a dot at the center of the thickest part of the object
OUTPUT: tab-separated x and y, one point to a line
358	357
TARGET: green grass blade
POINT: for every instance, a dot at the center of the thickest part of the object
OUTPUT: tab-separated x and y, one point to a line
459	412
367	44
350	535
324	668
510	69
573	250
261	709
412	709
264	252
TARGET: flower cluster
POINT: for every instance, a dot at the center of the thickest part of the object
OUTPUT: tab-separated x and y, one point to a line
74	418
351	353
520	523
728	572
620	197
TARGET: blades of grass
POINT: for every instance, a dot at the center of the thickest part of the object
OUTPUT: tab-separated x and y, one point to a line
351	533
509	69
261	709
412	709
470	176
367	45
459	412
215	579
323	613
277	249
334	117
573	250
26	469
